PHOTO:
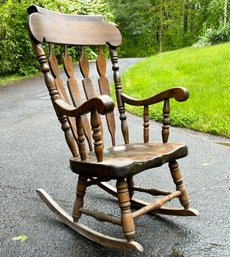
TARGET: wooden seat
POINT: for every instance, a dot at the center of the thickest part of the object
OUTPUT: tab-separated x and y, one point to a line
79	110
127	160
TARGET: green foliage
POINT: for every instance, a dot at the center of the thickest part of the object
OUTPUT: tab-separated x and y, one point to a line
134	22
16	53
203	71
151	26
214	36
14	42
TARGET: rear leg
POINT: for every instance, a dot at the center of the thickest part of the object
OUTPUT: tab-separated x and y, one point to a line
178	180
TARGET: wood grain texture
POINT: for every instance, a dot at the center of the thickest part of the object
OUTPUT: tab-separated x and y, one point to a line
85	231
60	87
37	9
129	159
118	90
126	215
67	31
54	95
79	201
166	121
105	90
146	124
178	93
75	93
178	180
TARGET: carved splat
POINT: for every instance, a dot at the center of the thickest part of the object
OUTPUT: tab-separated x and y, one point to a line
87	82
105	90
75	93
55	72
60	86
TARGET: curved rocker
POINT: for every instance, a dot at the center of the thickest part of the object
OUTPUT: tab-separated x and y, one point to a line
86	231
136	203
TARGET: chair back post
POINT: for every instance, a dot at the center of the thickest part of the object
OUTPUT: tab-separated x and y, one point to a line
54	95
118	90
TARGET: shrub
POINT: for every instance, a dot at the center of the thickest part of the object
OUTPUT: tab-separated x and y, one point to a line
214	36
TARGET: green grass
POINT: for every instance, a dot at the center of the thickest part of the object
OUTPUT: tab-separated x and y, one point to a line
11	78
205	72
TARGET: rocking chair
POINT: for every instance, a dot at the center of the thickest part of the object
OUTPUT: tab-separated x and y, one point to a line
91	160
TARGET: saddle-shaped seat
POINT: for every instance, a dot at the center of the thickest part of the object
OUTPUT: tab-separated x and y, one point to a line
124	161
95	162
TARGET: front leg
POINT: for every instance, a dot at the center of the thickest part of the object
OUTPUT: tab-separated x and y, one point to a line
81	188
126	215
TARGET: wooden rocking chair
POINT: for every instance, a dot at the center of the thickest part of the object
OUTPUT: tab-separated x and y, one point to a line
95	164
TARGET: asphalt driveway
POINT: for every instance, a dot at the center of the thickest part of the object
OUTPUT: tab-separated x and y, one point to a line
34	154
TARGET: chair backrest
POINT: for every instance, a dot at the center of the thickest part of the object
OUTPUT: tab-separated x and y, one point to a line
52	28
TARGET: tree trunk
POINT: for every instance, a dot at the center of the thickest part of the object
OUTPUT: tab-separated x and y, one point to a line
225	12
161	28
185	18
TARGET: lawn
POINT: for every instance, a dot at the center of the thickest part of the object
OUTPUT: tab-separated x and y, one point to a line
205	72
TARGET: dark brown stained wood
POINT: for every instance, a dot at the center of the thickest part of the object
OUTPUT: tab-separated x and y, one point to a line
102	104
178	180
118	89
166	121
146	124
101	216
97	135
75	93
53	92
86	231
87	82
105	90
126	215
178	93
97	165
151	191
79	201
81	138
157	204
101	65
55	72
68	32
36	8
129	159
60	86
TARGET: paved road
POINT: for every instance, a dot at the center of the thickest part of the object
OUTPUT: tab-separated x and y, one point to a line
34	154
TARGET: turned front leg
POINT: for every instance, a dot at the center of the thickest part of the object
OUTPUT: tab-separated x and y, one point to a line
124	204
80	193
178	180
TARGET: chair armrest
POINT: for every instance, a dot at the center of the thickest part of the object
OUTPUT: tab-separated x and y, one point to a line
102	104
179	93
